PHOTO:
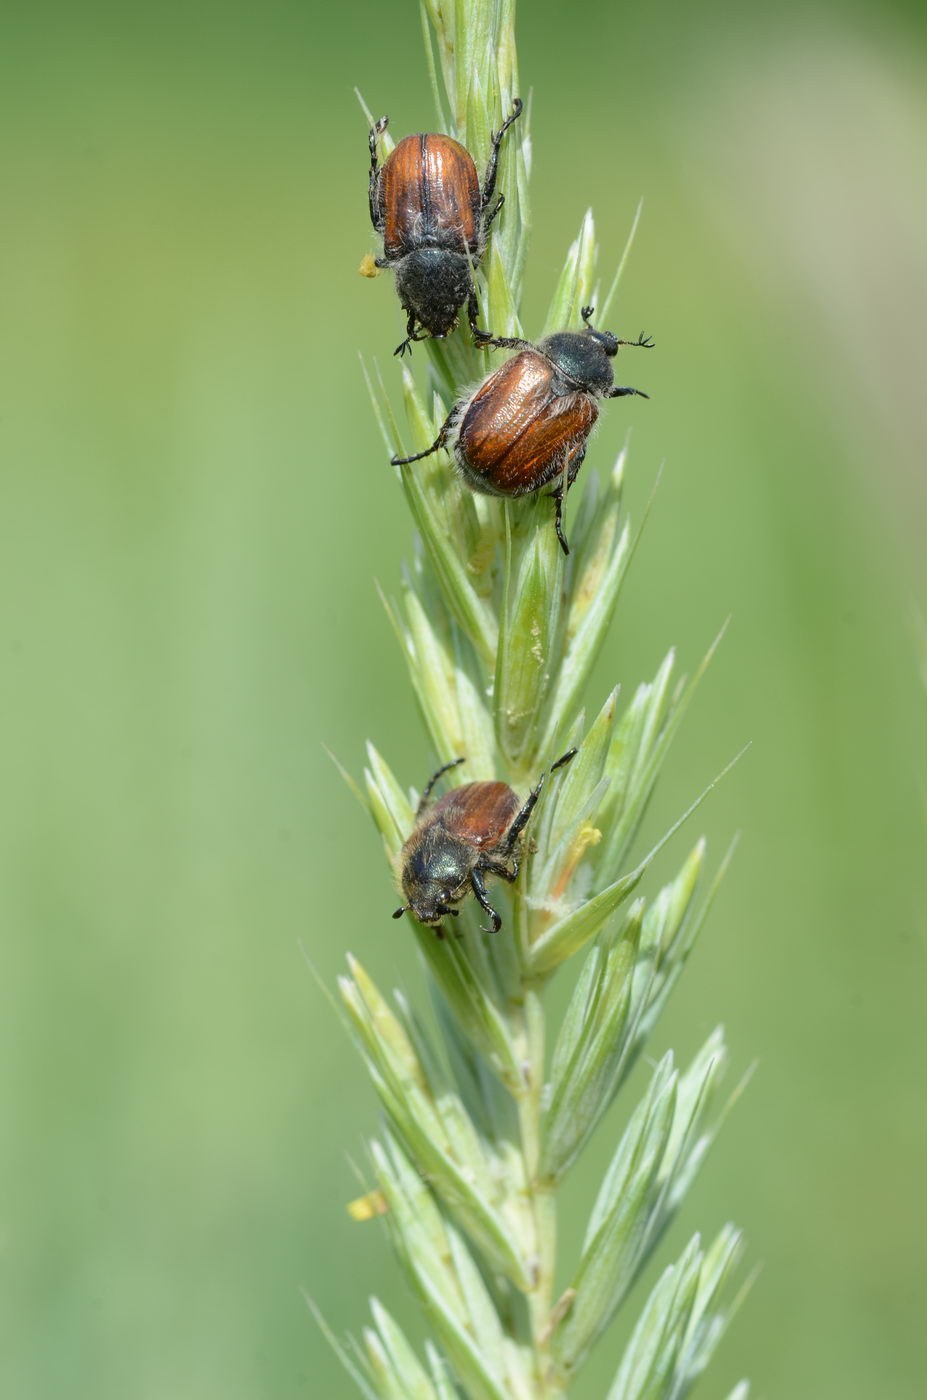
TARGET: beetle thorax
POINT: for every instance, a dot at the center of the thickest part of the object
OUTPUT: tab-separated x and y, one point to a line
581	358
434	283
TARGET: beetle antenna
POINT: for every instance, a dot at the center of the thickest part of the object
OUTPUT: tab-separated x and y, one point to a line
644	342
399	912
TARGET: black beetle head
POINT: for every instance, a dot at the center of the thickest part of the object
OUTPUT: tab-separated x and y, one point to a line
608	342
433	284
583	357
429	899
429	907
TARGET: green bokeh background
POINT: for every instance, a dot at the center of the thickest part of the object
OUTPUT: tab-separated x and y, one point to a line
195	506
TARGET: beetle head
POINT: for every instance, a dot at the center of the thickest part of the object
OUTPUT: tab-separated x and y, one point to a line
608	342
429	908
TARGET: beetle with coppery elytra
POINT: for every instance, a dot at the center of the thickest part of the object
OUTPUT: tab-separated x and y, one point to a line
472	831
529	421
427	202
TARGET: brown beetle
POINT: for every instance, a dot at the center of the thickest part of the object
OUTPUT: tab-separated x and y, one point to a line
472	831
427	203
529	421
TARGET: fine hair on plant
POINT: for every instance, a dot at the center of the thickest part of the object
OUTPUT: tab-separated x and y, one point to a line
486	1107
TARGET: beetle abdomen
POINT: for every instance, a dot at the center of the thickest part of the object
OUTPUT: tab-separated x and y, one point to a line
430	196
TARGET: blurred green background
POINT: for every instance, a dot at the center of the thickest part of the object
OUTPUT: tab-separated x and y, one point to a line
195	504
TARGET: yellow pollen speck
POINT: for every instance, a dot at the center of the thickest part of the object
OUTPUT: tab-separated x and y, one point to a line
588	835
368	1207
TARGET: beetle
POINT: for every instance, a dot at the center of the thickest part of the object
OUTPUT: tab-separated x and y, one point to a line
529	421
472	831
434	217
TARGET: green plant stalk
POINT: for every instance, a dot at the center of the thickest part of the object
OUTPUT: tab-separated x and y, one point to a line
528	1024
483	1119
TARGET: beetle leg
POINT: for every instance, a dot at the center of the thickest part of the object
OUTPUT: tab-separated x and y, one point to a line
479	889
376	215
507	342
423	800
489	182
571	468
481	338
493	212
412	340
617	392
495	867
564	759
566	481
576	461
376	130
518	825
410	335
439	441
558	519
